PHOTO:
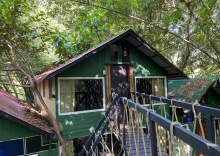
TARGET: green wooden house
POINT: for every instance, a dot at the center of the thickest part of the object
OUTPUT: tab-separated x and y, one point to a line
23	130
79	91
205	91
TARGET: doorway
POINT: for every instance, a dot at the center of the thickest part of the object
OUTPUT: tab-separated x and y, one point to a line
119	80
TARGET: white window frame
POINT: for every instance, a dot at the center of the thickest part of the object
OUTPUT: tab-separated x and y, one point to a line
165	82
86	111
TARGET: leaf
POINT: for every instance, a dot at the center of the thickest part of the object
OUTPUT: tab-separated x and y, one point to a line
67	45
48	39
174	16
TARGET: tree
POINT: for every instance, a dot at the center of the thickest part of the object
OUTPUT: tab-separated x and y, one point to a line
29	82
45	31
186	32
26	30
16	72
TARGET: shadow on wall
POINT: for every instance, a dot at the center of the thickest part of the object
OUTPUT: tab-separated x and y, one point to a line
140	70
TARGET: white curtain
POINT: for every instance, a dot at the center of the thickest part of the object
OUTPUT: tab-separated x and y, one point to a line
158	87
67	95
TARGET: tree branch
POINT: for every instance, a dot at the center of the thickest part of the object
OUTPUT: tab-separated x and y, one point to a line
133	17
32	85
151	24
29	66
196	19
214	47
14	69
186	58
13	63
18	85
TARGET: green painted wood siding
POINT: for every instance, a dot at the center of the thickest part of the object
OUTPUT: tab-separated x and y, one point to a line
144	66
77	125
54	152
94	65
213	99
90	67
11	130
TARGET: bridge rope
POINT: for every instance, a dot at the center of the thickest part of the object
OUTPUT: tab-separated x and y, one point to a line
161	132
135	129
197	117
175	144
128	125
134	122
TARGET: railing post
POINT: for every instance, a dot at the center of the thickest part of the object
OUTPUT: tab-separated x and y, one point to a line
210	127
153	137
150	102
122	108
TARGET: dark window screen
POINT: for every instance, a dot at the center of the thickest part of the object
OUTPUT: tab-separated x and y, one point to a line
119	80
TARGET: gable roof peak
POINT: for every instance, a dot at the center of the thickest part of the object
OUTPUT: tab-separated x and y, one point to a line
132	38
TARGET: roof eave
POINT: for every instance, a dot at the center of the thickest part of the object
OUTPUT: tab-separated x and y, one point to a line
89	53
178	74
143	42
19	121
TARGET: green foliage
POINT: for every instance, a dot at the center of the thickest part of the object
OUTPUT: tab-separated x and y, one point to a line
25	28
185	32
22	30
47	31
166	25
173	16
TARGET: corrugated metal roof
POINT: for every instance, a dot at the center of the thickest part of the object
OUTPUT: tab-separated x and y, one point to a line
135	40
189	90
23	113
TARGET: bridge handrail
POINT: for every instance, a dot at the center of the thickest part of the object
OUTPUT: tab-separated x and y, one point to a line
198	108
200	144
210	113
97	129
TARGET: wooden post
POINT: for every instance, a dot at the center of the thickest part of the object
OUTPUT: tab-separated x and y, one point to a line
153	137
108	84
131	81
210	127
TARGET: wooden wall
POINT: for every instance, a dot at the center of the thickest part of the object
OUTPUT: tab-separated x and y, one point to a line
144	66
11	130
213	98
47	90
53	152
77	125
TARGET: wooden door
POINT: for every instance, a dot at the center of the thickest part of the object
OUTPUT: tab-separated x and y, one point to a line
119	78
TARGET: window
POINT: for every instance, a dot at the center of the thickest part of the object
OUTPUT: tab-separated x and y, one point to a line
151	85
80	94
44	88
50	88
114	52
125	53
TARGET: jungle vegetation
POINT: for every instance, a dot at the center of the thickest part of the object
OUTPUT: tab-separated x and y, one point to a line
46	32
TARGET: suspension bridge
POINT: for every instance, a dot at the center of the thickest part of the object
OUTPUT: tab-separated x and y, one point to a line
147	129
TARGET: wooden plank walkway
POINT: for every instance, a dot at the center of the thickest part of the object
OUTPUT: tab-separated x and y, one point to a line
136	148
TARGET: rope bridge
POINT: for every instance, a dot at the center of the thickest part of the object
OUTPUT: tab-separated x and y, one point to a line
148	129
